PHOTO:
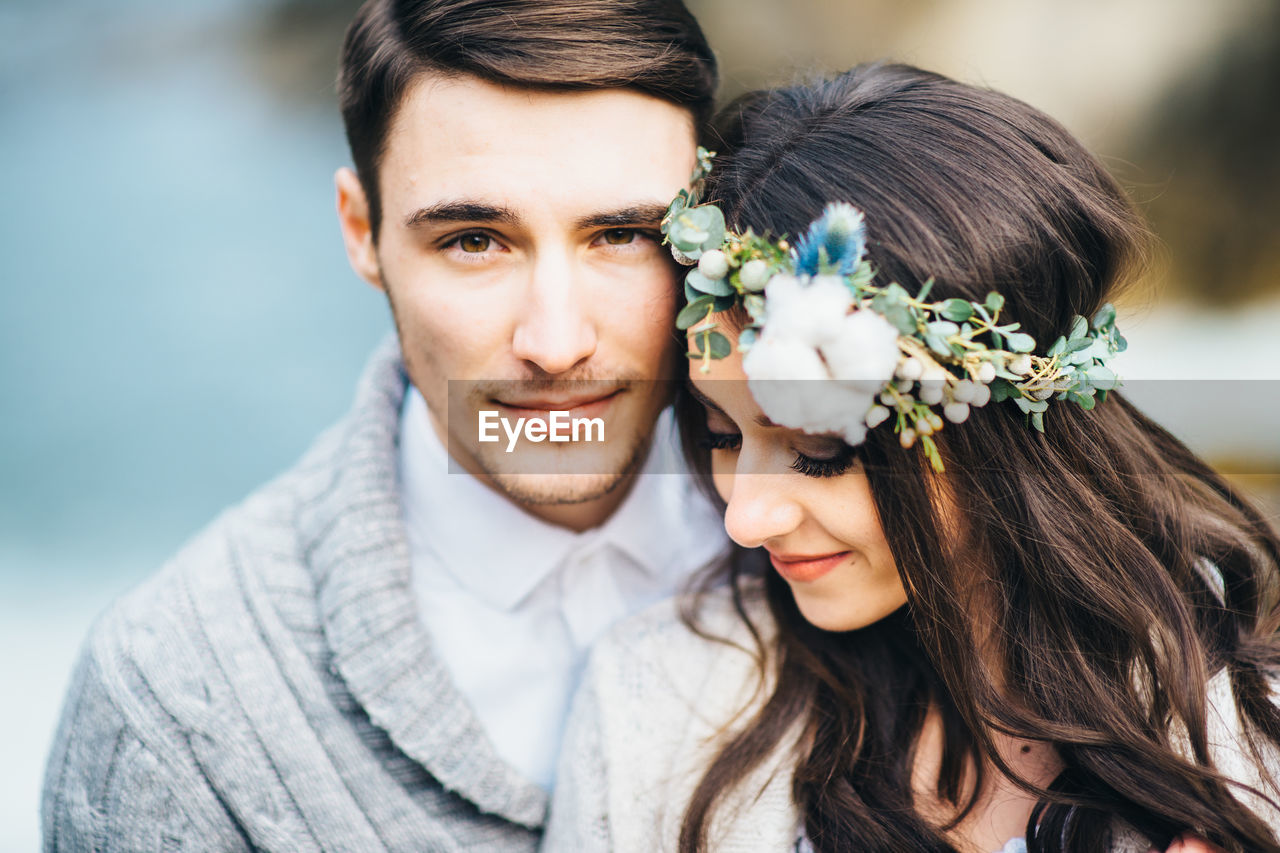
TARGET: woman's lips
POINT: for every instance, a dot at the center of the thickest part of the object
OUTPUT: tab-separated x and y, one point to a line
799	568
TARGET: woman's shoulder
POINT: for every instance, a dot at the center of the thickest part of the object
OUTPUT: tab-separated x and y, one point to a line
685	668
664	695
689	633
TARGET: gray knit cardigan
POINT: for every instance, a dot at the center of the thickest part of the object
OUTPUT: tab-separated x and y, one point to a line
273	687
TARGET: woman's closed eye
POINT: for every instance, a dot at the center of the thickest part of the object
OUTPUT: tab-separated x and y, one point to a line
831	460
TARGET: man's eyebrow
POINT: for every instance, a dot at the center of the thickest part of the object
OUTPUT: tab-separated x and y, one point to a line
461	211
634	214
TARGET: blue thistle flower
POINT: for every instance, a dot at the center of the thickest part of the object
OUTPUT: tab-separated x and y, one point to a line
834	242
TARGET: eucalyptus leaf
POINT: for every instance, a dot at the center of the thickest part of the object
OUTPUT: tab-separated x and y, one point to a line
1037	421
1002	389
925	290
994	302
720	346
1077	344
1079	328
724	303
1020	342
938	344
1056	347
694	312
1105	317
716	287
715	228
942	328
902	318
958	310
1102	377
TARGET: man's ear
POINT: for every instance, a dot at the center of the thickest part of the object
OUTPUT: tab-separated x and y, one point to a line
353	217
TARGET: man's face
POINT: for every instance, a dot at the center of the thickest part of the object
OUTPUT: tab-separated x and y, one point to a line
519	250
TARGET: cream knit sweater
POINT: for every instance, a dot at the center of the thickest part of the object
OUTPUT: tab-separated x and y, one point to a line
650	716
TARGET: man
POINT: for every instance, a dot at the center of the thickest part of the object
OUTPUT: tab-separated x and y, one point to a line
370	652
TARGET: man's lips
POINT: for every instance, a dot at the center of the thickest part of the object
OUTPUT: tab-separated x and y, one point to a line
802	568
538	407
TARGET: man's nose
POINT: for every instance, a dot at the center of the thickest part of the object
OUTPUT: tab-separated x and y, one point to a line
555	330
760	509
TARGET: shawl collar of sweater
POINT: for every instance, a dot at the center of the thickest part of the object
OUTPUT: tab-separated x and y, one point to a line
354	538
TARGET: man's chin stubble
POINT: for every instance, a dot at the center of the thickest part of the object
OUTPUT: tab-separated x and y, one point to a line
563	489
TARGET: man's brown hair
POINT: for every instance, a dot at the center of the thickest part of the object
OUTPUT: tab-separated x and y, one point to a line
654	46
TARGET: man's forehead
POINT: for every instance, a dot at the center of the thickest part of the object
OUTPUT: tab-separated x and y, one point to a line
573	155
465	123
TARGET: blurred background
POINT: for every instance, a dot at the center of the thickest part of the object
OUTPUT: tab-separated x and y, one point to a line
178	321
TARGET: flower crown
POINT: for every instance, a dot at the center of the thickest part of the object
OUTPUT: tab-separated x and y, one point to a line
815	313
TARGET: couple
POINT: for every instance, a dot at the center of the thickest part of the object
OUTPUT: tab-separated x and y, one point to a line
930	635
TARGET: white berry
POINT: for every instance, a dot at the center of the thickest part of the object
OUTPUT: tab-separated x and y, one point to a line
876	415
714	265
754	275
911	368
956	412
964	391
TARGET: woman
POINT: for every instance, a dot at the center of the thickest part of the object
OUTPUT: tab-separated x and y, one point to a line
978	602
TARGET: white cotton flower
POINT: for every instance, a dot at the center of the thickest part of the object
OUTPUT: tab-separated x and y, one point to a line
986	373
780	373
794	389
754	275
713	264
807	312
865	352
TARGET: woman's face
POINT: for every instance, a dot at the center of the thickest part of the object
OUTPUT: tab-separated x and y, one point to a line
804	499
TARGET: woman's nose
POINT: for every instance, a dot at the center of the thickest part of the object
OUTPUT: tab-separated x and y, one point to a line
760	509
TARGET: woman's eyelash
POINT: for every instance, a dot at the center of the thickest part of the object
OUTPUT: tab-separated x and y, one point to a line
720	441
832	467
810	466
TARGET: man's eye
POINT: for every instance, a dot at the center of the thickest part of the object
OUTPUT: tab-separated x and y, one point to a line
619	236
474	243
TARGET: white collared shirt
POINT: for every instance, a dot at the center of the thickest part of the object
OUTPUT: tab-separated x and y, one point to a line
513	603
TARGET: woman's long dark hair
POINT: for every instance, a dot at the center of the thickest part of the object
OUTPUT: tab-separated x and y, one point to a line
1084	563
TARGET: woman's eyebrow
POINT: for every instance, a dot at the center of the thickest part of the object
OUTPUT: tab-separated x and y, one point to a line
704	399
760	419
